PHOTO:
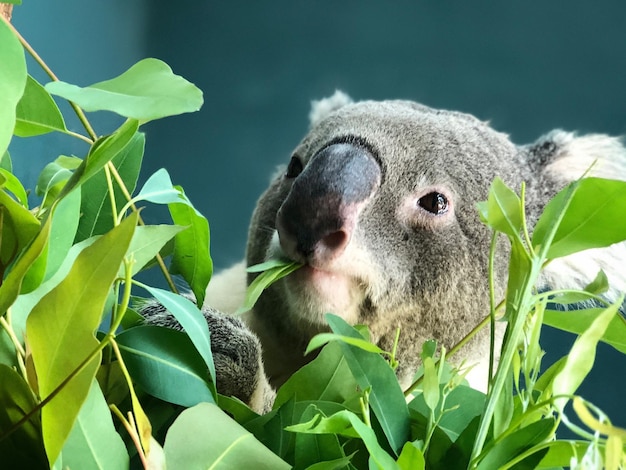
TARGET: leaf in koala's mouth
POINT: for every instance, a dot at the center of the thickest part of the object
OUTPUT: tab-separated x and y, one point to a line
271	271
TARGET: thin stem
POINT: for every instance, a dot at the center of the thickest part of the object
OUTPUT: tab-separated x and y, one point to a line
129	424
107	175
492	308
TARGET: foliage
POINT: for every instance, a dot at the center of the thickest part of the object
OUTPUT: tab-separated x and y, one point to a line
73	355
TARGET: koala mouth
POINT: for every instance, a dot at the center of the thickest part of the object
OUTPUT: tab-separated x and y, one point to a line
313	292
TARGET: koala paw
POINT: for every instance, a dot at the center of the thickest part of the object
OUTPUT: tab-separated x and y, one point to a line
236	352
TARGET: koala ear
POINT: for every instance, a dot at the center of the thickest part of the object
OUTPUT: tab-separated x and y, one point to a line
559	158
322	108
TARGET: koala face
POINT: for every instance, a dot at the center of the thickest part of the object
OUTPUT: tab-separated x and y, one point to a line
379	202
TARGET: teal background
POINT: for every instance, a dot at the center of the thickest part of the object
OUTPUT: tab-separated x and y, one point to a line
528	67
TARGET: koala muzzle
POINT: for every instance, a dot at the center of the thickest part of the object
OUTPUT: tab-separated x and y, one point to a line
317	219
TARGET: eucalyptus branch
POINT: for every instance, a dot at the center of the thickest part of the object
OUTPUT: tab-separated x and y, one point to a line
131	428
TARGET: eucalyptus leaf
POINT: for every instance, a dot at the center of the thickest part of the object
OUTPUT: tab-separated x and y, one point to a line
411	458
148	90
12	82
10	288
5	161
205	437
346	423
314	448
582	356
502	210
97	214
12	184
23	448
520	441
327	377
193	322
147	242
93	442
165	364
60	331
589	221
158	189
18	227
37	113
578	321
322	338
55	172
191	257
372	371
279	269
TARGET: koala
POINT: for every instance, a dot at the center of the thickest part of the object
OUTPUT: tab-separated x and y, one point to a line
378	202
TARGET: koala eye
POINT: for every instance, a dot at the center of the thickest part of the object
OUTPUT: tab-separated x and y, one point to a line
294	168
435	203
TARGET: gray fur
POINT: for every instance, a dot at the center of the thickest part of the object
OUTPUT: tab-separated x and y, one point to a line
403	266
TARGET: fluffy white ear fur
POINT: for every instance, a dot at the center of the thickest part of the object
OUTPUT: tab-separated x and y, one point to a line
322	108
606	156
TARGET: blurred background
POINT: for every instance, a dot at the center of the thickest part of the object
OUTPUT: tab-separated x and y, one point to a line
527	67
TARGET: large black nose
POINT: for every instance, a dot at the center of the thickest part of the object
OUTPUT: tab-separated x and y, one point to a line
316	221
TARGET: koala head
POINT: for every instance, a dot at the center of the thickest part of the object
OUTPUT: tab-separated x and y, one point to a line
379	203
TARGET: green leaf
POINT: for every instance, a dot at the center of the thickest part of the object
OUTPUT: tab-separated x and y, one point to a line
165	363
192	258
23	448
60	331
93	442
578	321
589	221
314	448
64	224
514	444
11	183
321	339
346	423
158	189
147	241
463	404
372	371
502	210
97	215
411	458
205	437
5	161
148	90
193	322
279	269
582	355
106	148
100	153
431	384
37	113
560	453
327	377
12	82
55	172
10	288
18	227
